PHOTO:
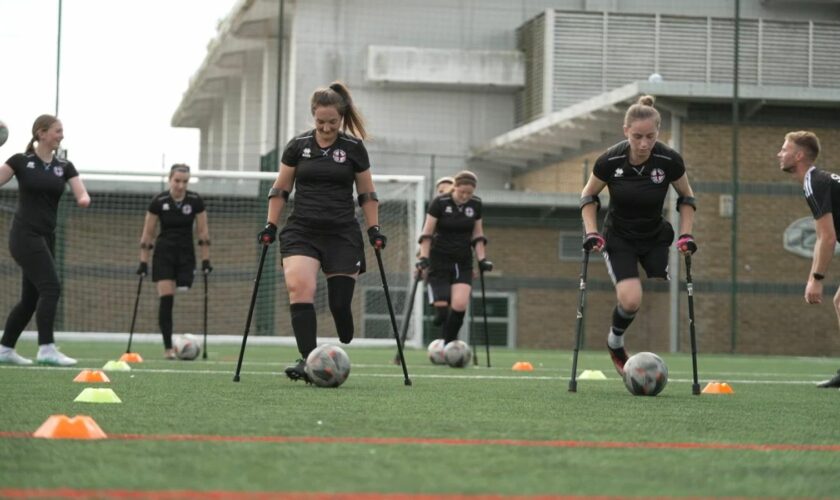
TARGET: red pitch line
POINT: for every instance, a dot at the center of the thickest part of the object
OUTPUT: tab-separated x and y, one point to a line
114	494
462	442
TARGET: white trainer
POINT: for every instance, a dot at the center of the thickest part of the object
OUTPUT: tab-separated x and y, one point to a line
11	357
50	355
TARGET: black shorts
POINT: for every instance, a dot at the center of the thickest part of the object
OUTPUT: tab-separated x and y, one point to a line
445	271
175	263
623	255
340	251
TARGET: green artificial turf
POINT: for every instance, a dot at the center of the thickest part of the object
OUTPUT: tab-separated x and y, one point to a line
775	402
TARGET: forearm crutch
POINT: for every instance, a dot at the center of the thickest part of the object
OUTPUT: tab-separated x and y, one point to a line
581	306
695	386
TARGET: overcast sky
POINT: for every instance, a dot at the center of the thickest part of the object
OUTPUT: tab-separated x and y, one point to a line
124	66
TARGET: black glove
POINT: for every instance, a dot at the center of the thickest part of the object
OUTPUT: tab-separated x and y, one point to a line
143	269
485	266
593	241
422	264
377	239
685	243
206	267
268	234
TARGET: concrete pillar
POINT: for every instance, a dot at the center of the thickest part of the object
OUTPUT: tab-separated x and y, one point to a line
269	96
231	116
250	109
214	139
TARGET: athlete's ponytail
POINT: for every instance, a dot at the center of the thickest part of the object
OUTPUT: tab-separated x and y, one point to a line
339	96
41	124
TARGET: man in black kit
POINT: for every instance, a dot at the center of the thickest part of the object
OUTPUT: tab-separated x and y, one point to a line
638	173
822	192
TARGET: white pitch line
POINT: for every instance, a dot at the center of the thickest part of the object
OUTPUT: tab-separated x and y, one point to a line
399	375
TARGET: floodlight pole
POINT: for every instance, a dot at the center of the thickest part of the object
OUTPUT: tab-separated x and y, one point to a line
58	58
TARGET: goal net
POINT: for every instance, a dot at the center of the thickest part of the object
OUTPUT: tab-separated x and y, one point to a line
97	253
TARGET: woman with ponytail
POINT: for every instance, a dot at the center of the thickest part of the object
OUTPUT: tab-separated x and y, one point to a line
322	233
638	172
41	177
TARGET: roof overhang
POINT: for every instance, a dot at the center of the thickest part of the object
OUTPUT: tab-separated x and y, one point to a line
247	27
568	132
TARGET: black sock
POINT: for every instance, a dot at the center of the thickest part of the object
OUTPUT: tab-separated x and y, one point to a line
305	325
340	292
440	315
453	324
165	319
621	319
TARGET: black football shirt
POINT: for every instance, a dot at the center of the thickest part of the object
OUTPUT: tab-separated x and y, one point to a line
40	186
176	218
455	224
324	179
637	192
822	191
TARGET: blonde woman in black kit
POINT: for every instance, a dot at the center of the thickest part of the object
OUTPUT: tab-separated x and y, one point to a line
41	180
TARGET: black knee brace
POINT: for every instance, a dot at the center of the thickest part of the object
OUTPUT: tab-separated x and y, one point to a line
453	324
165	319
340	291
440	315
304	325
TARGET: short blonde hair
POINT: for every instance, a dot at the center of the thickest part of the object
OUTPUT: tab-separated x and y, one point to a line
806	141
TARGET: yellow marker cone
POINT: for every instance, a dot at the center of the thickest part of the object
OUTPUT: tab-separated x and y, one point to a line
116	366
91	395
718	388
64	427
592	375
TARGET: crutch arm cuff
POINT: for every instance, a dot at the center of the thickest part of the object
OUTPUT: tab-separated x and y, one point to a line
591	198
366	197
686	200
274	192
478	239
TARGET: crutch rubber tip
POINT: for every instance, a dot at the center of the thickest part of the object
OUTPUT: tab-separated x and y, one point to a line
408	382
572	386
236	378
695	389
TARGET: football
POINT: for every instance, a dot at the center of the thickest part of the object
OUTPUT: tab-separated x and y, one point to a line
645	374
187	346
328	366
435	351
457	354
4	133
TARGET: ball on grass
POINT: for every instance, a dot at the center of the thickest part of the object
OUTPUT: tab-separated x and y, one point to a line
187	346
645	374
457	354
328	366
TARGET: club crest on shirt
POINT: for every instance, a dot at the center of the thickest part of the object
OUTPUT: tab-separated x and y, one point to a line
186	209
469	211
657	175
618	172
448	210
58	171
165	206
339	156
31	164
307	153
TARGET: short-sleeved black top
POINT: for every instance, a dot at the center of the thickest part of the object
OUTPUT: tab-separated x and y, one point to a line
176	218
455	224
822	191
637	192
40	186
324	179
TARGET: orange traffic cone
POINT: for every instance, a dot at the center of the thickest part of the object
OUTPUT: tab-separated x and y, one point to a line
131	357
91	376
718	388
64	427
